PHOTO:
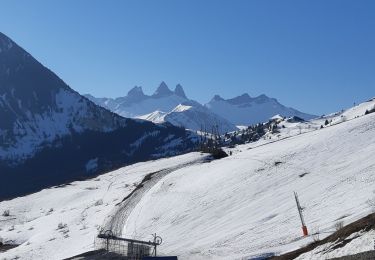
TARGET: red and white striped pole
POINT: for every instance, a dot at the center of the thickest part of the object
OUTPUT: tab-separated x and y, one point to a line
304	228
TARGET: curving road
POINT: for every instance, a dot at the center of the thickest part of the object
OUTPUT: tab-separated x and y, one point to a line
118	219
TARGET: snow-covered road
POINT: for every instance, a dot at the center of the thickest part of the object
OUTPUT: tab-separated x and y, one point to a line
117	220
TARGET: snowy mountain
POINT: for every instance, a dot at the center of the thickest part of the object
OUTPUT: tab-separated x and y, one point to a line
238	207
191	116
136	103
50	134
246	110
165	105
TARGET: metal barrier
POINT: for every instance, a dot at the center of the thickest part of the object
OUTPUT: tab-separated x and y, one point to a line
131	249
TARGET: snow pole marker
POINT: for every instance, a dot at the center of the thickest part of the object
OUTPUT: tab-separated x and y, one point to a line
300	209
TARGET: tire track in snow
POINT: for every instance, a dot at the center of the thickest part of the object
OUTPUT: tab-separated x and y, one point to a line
119	218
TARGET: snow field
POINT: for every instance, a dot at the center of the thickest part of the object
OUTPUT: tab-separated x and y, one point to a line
235	207
244	205
82	206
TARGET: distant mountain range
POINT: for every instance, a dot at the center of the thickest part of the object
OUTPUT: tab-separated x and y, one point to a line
246	110
49	134
166	105
136	103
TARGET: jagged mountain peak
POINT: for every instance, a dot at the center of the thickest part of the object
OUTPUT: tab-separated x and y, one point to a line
163	90
25	83
136	92
217	98
43	120
179	91
244	98
247	110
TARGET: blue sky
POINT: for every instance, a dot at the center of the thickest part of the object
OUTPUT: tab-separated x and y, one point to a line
317	56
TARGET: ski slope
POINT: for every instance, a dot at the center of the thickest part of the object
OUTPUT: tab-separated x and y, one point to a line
243	205
82	208
233	208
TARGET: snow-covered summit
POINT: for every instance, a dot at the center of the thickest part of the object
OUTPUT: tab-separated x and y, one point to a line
181	108
165	106
136	103
247	110
240	110
42	118
38	107
193	117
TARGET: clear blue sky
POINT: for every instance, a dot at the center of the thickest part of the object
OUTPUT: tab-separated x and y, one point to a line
317	56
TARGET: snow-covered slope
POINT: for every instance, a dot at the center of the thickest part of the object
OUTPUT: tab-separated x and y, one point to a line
243	205
245	110
81	207
156	116
239	206
348	114
37	106
49	133
192	117
357	242
165	106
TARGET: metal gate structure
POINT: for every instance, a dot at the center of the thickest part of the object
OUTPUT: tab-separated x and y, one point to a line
131	249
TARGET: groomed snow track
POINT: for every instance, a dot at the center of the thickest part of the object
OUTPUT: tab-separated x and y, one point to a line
117	220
